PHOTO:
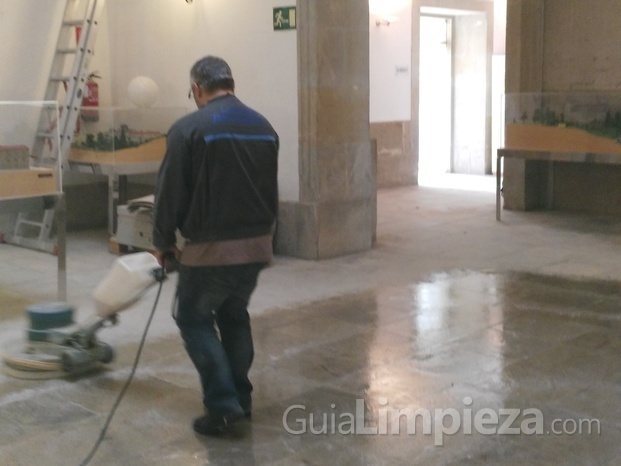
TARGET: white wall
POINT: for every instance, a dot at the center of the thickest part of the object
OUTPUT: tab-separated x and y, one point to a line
161	39
24	49
390	52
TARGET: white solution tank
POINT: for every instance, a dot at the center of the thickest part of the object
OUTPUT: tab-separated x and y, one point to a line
128	278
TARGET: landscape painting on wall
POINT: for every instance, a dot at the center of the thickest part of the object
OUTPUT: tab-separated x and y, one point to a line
563	122
124	135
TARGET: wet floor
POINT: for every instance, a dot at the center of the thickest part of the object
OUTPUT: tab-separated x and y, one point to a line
462	368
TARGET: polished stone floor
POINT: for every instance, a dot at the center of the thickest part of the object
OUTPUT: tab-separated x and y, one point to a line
456	340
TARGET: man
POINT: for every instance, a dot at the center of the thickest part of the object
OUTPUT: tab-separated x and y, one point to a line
218	186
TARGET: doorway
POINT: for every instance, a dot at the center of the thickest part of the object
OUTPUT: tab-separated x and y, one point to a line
435	96
454	138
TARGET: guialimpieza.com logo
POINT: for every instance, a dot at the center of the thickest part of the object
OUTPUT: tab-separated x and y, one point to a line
438	422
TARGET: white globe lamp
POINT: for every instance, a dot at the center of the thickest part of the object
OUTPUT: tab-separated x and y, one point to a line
142	91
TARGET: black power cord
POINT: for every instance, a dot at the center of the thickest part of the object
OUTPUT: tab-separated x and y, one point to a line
160	276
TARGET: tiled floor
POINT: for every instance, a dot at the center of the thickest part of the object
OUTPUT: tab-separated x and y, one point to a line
490	343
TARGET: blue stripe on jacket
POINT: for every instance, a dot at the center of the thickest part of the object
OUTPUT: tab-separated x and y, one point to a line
247	137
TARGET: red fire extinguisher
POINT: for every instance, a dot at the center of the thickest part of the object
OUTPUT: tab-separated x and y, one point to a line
91	90
90	98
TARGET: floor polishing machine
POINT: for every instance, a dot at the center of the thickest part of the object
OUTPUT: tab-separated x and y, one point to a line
57	346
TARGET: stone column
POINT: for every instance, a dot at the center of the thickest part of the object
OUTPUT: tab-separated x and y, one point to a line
524	73
336	213
524	46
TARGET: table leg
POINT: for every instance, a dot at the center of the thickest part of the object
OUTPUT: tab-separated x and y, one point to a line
117	195
498	186
112	195
61	246
550	193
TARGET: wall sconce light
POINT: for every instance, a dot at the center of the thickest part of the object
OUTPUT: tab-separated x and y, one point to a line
189	1
385	20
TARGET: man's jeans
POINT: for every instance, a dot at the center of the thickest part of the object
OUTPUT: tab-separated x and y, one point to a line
219	296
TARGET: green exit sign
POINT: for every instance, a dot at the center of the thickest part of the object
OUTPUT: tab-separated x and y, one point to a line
284	18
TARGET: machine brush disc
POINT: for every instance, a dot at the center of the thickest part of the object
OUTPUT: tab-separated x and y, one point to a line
43	360
33	364
40	359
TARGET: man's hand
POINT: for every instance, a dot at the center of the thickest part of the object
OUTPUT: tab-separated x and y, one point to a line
168	258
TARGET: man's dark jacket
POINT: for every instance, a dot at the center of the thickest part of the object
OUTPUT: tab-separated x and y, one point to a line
218	179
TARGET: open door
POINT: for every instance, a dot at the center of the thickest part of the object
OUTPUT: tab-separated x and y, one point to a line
453	103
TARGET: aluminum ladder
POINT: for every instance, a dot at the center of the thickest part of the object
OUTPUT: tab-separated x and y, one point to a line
68	75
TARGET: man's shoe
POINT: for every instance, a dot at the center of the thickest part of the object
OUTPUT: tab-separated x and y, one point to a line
216	425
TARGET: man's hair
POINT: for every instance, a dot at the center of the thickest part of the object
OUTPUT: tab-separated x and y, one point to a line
212	74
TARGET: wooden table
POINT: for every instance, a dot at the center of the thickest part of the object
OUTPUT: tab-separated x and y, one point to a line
551	157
